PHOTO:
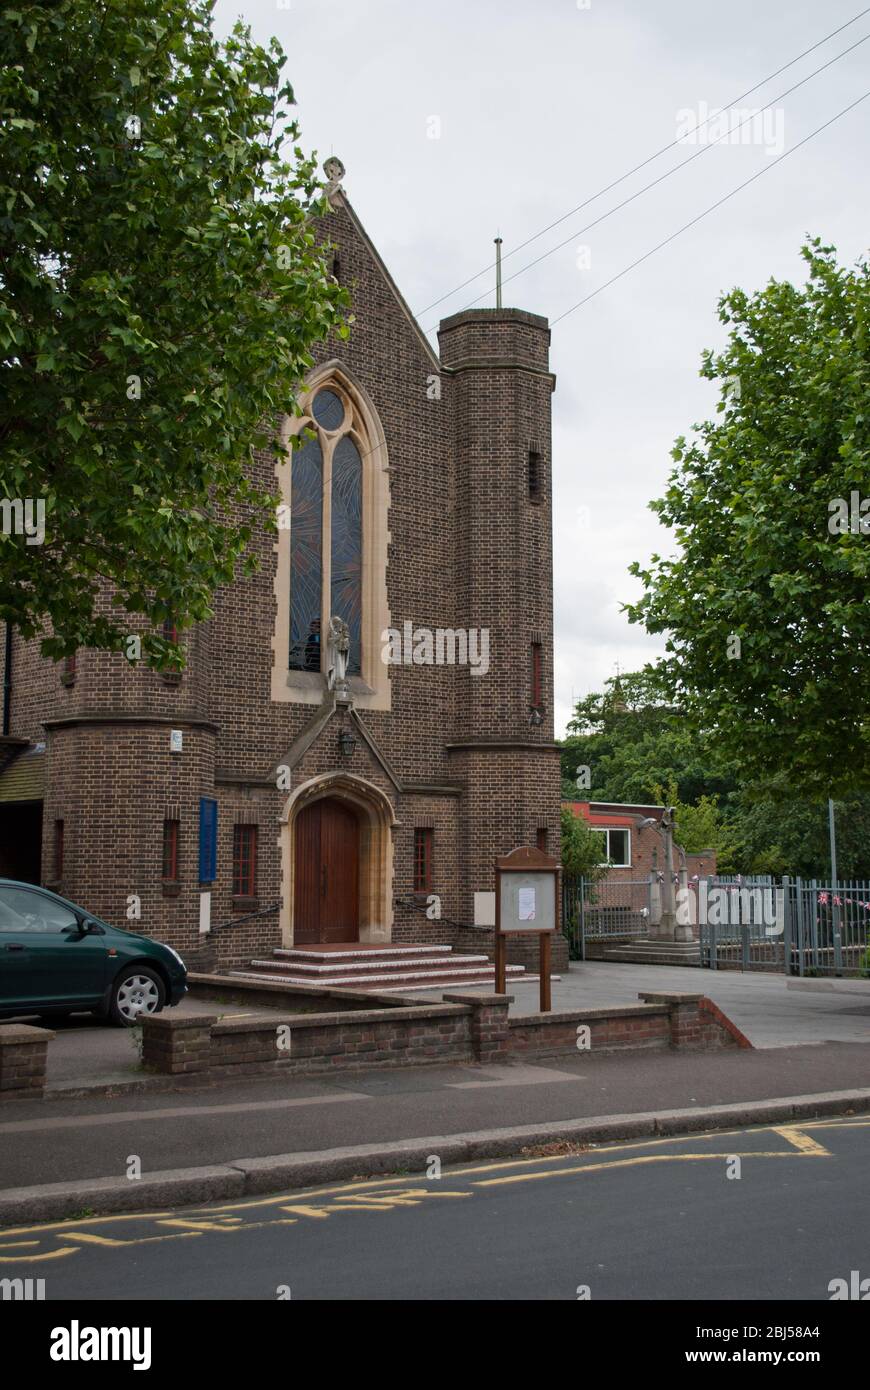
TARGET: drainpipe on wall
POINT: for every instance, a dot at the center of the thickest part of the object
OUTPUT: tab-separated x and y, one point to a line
7	679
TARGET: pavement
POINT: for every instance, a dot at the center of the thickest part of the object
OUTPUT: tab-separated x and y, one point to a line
767	1213
772	1010
74	1152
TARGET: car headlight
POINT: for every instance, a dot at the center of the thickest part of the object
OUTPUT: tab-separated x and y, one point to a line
174	953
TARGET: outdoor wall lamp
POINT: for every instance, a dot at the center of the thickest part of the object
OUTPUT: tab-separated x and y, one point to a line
346	743
536	718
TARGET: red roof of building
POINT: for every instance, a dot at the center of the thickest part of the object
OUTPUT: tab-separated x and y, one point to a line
586	810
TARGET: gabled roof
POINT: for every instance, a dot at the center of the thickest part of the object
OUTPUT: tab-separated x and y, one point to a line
339	198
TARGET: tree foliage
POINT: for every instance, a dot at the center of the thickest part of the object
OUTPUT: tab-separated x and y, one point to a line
765	605
640	750
161	287
581	848
634	742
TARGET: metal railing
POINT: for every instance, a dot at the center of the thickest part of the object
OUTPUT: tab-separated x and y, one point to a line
813	928
609	910
829	927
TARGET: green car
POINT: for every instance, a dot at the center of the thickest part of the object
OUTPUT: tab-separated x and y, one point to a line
55	958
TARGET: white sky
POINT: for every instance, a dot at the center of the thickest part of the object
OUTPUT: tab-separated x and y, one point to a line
541	105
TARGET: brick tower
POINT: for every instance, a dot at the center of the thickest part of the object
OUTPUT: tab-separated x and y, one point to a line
496	362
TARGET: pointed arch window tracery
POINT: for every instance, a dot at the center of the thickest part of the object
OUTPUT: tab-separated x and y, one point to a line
326	529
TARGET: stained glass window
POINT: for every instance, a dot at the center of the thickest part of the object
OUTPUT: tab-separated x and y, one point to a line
306	558
318	561
328	410
346	597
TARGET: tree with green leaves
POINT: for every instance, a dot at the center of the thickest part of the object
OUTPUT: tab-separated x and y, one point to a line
162	284
781	834
581	848
765	605
633	742
703	825
639	749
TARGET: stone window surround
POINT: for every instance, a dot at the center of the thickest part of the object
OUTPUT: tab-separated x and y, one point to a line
370	690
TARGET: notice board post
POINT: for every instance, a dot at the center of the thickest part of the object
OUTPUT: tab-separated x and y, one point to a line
526	902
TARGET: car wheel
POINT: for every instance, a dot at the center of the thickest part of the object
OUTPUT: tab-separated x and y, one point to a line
136	993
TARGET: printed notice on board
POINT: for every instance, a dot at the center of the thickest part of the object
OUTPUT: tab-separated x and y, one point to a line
526	904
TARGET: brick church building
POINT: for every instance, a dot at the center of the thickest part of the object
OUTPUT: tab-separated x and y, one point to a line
340	779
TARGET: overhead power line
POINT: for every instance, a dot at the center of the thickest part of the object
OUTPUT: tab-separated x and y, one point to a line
579	231
706	213
644	162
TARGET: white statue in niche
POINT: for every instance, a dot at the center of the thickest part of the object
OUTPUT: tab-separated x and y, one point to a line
337	653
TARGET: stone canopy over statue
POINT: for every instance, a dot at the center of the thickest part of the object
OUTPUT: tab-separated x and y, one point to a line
337	654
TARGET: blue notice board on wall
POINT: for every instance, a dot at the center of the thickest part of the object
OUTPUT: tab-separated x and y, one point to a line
207	839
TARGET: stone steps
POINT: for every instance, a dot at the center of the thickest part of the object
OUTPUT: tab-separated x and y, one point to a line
655	953
329	967
382	969
387	984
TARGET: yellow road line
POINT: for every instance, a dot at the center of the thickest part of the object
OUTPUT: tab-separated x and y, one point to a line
636	1161
804	1142
31	1259
456	1174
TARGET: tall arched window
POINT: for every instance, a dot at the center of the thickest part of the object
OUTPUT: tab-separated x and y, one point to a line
326	531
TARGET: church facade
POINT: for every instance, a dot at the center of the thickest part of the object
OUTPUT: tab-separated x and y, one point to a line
366	723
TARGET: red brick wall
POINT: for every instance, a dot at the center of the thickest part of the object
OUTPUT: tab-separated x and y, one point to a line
459	1029
467	549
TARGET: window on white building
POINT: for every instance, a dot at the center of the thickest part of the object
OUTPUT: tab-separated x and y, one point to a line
617	847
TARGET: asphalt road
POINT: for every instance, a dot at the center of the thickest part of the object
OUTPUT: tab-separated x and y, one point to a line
643	1220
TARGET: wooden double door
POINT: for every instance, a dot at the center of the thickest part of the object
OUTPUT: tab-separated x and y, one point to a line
326	873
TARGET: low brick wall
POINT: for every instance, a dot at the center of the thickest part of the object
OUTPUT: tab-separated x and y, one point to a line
328	1042
395	1036
23	1056
461	1029
638	1026
697	1022
661	1021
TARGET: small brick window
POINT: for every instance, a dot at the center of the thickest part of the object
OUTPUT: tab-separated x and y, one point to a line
68	673
537	691
534	476
170	850
541	839
171	675
423	839
244	861
58	849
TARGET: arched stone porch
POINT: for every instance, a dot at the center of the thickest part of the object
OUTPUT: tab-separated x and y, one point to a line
376	818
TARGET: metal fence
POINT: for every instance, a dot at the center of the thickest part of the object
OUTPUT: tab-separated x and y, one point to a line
610	910
791	925
829	928
803	928
741	923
